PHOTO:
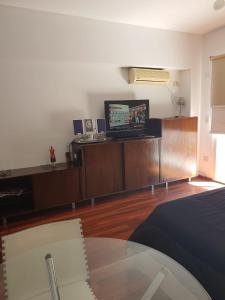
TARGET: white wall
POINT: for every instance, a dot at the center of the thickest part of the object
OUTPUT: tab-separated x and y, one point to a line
213	44
55	68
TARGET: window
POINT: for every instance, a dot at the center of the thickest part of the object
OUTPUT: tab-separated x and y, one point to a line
218	94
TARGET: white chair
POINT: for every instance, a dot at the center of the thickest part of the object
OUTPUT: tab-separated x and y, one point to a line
25	265
28	239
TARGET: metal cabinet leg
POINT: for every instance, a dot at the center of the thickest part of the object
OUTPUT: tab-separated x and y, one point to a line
153	189
92	201
73	205
167	185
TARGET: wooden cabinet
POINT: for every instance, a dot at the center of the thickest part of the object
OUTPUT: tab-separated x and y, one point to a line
103	169
114	166
27	190
179	148
56	188
141	163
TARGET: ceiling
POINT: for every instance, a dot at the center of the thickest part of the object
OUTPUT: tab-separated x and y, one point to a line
194	16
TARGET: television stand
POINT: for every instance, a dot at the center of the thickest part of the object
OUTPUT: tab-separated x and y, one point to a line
116	166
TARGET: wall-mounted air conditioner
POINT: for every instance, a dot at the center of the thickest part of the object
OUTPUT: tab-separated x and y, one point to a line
144	75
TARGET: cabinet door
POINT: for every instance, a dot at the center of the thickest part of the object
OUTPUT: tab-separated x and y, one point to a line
56	188
141	159
179	148
103	169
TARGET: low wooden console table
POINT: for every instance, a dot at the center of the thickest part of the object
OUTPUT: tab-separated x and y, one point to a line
31	189
106	168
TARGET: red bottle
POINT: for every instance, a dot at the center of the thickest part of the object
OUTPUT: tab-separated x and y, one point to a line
52	155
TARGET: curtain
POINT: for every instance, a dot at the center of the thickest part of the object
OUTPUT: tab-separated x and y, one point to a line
218	94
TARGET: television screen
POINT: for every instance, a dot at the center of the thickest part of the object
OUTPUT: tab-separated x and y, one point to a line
126	114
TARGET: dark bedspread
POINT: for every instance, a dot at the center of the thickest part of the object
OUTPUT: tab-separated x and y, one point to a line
191	230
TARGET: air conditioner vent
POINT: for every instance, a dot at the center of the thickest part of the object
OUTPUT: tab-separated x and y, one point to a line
144	75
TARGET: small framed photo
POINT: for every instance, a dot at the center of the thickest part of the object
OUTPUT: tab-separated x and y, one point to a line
88	125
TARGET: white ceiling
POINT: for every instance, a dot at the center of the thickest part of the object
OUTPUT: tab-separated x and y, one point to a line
194	16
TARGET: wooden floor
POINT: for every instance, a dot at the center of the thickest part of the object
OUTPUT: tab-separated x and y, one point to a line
116	216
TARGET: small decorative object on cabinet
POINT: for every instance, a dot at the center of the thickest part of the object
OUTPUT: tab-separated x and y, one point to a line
52	156
88	125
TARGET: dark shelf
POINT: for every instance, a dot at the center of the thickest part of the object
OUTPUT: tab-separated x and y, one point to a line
15	205
24	172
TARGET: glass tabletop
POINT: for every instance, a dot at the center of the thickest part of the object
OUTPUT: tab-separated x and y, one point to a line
99	268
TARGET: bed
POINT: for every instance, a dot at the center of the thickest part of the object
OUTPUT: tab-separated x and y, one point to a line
191	230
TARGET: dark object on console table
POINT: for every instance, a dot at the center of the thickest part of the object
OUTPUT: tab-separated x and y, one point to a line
191	231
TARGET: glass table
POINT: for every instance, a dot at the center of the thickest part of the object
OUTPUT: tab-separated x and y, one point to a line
108	268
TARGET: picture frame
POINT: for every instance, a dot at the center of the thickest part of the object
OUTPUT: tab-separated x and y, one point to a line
88	125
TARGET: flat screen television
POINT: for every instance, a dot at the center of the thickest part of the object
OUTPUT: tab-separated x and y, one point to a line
126	118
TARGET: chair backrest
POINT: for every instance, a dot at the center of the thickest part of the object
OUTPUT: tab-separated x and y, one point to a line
24	258
28	239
